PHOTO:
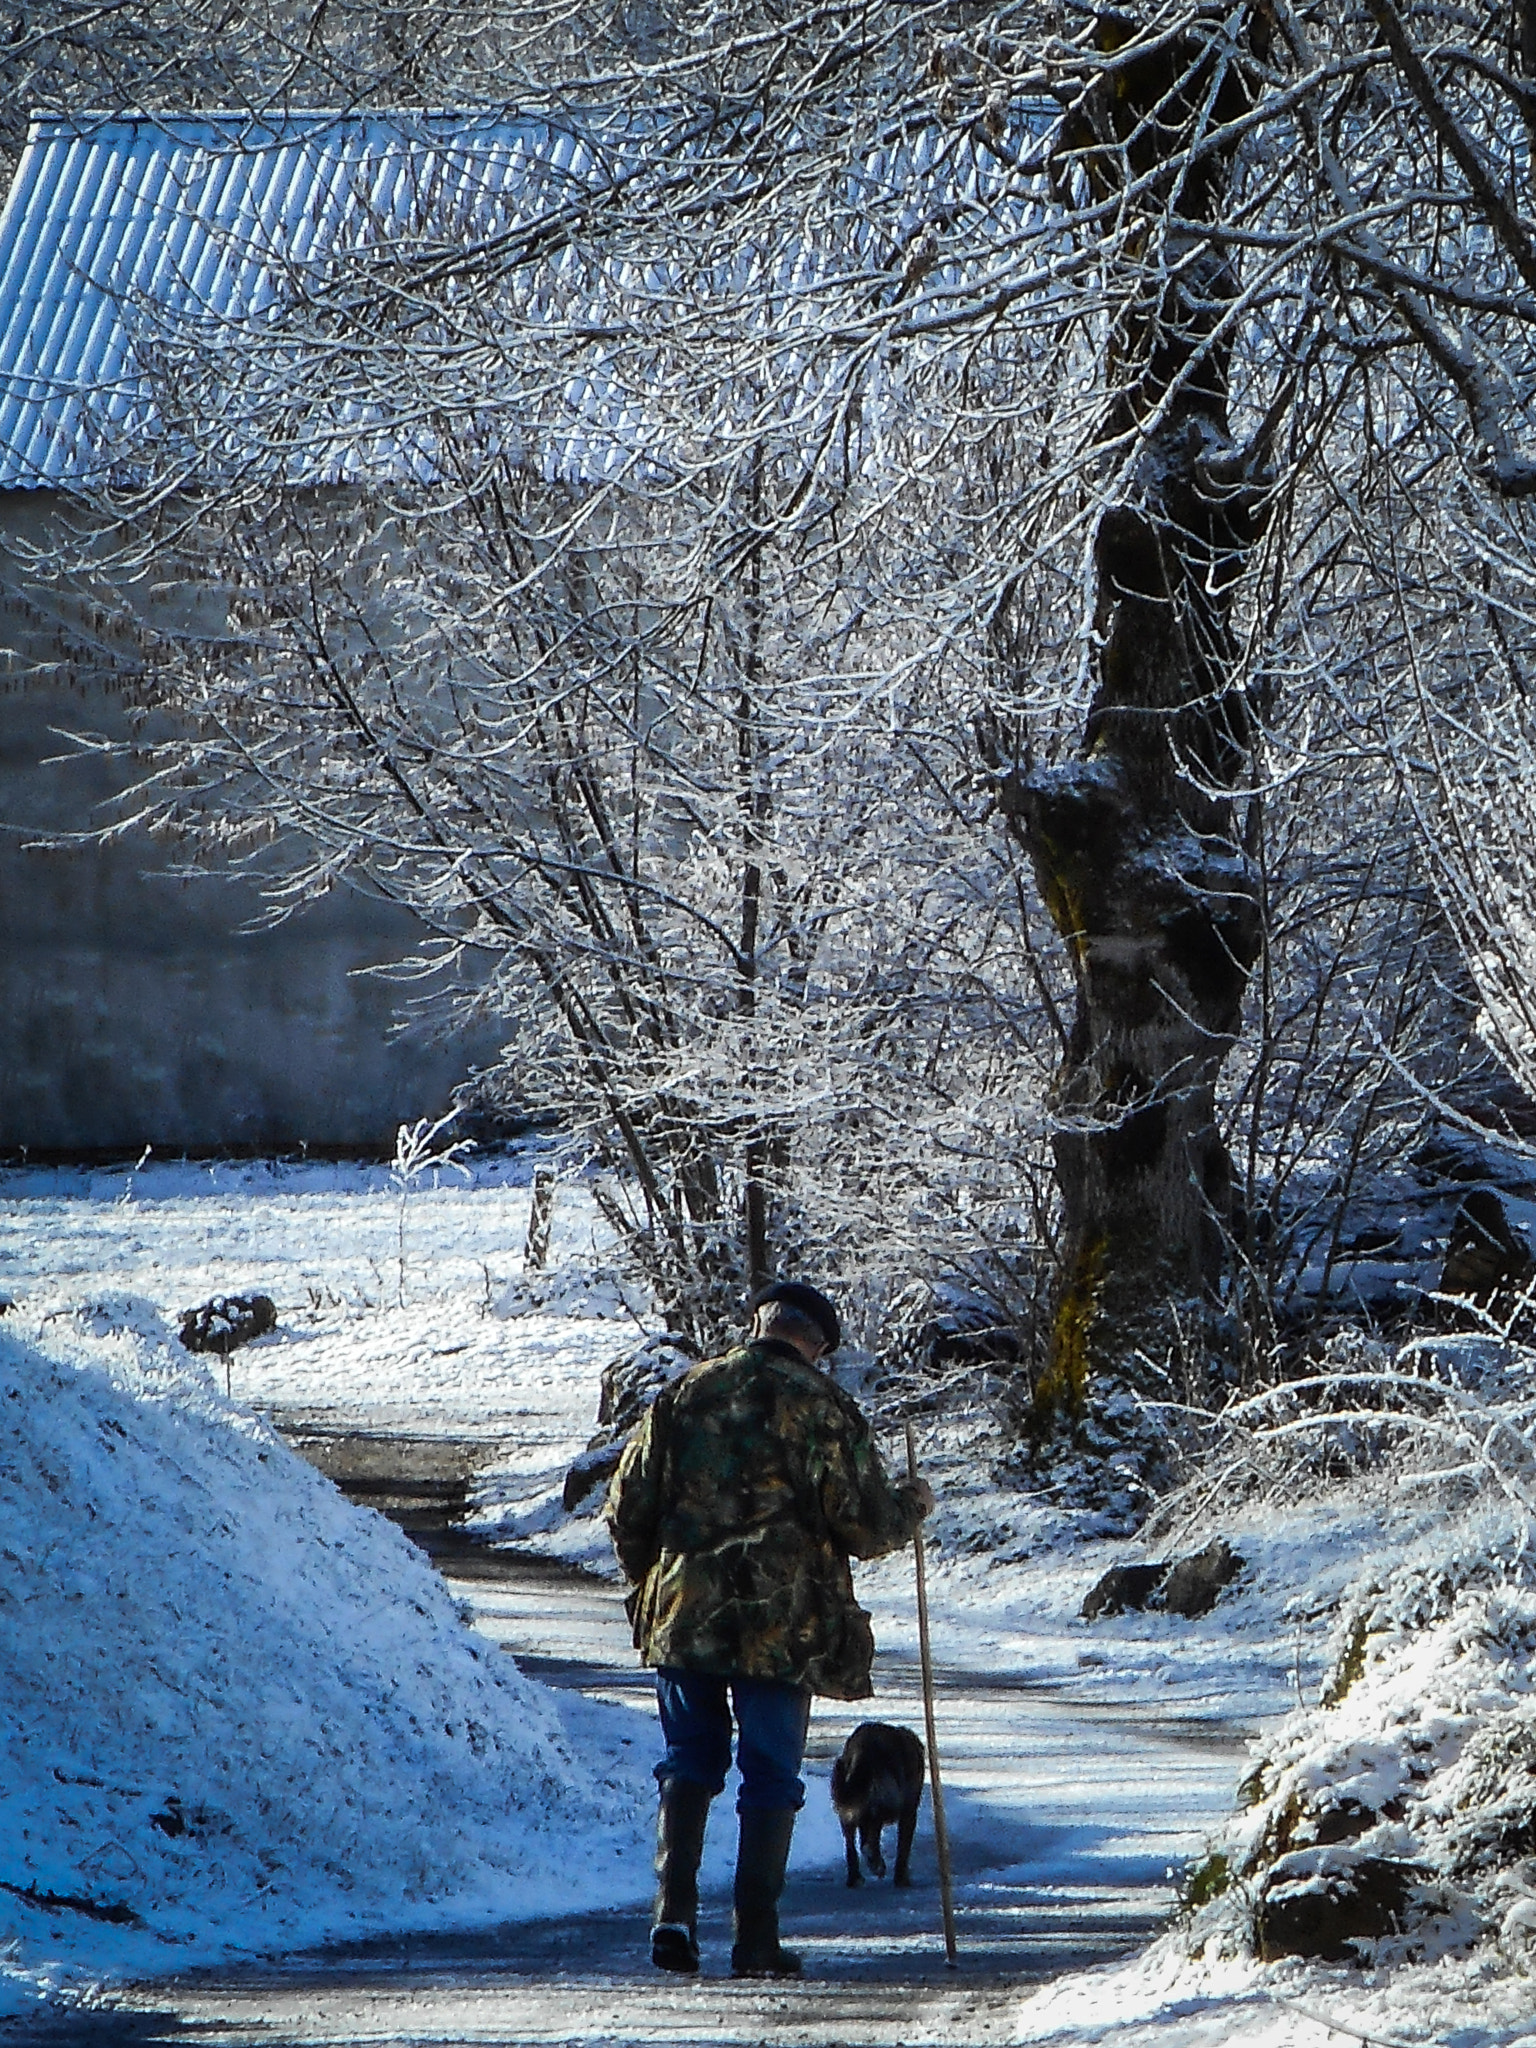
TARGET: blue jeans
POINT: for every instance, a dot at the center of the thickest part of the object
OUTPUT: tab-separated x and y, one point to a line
772	1716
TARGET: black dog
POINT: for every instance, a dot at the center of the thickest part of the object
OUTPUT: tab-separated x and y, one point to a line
878	1779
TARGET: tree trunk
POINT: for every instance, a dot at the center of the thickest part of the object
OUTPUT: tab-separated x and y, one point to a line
755	802
1135	842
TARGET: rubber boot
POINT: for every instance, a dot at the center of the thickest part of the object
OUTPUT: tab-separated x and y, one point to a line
761	1861
679	1844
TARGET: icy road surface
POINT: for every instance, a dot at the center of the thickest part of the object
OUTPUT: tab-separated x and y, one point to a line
1065	1814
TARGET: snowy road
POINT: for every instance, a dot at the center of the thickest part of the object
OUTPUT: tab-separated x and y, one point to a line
1077	1767
253	1657
1065	1816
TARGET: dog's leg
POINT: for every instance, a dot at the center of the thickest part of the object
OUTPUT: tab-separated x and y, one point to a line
855	1875
871	1832
906	1828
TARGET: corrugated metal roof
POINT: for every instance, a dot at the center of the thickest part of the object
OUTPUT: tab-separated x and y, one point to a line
119	230
200	217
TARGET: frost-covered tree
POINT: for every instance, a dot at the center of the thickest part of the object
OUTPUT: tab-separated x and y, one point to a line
1010	408
86	58
654	804
1465	748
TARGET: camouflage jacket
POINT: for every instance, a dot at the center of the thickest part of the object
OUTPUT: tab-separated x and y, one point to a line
734	1510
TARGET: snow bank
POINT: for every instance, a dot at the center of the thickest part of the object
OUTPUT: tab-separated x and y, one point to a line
1161	2000
1415	1773
1420	1763
239	1713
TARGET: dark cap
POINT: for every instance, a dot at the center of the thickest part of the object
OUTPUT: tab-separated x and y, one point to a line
806	1301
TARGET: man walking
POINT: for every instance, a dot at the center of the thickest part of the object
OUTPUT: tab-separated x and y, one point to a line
735	1508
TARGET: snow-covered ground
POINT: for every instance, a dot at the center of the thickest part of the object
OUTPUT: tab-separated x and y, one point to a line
240	1714
249	1716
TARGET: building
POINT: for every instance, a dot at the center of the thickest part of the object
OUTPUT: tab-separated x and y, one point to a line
137	1008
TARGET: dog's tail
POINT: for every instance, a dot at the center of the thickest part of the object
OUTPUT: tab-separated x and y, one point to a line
844	1798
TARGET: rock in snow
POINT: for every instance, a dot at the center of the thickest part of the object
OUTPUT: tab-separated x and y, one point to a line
228	1321
1190	1587
1123	1586
630	1384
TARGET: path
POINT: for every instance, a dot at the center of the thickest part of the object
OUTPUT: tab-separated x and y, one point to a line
1066	1814
1065	1817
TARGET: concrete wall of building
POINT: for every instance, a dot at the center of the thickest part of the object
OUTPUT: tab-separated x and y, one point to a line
133	1008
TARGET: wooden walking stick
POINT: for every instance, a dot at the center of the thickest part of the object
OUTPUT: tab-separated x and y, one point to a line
936	1789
